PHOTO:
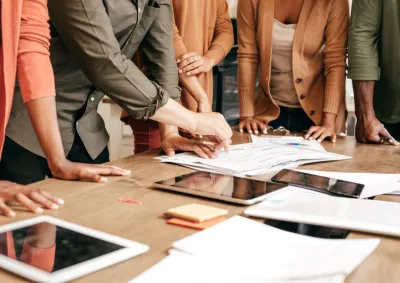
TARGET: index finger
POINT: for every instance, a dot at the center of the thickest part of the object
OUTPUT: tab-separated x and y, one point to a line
189	61
7	211
185	56
386	134
225	143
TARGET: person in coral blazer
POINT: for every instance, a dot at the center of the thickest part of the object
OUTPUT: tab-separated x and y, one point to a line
24	53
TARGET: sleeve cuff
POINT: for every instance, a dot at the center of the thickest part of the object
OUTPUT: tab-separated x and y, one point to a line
180	50
42	258
160	100
364	73
246	101
333	98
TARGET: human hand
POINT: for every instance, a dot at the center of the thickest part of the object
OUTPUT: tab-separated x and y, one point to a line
28	197
214	126
174	142
319	133
67	170
371	130
252	125
326	130
193	64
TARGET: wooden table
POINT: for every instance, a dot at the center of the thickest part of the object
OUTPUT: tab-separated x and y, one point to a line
97	206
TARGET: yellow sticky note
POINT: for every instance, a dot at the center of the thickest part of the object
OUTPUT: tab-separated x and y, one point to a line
196	212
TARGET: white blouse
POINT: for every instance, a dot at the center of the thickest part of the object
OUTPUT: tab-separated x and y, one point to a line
282	83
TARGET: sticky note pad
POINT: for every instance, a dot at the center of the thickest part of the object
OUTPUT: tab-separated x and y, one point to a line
194	225
196	212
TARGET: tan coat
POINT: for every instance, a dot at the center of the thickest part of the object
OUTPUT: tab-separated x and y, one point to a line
201	25
319	59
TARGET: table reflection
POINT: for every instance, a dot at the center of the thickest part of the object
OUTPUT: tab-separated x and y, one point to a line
223	185
37	248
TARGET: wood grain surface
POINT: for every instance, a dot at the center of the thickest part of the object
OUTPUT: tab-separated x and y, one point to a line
97	206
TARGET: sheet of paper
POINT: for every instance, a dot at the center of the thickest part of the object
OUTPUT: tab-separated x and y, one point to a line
183	268
304	206
375	184
292	141
270	253
252	159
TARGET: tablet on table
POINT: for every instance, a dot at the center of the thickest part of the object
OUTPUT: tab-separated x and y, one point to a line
47	249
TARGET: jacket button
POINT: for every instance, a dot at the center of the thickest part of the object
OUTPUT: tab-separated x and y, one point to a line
302	96
312	112
299	80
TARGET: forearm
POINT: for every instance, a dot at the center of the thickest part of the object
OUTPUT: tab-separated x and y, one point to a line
175	114
43	115
363	93
193	86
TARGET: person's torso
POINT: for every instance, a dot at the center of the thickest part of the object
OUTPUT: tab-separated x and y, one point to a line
76	97
387	89
308	56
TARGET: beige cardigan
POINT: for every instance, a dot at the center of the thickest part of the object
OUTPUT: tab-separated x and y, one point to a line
319	59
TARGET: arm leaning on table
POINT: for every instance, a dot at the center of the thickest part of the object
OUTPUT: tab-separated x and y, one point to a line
158	56
248	64
85	25
364	69
35	75
336	34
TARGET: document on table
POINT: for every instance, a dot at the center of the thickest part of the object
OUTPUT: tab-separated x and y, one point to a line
288	140
304	206
375	184
249	247
253	159
179	267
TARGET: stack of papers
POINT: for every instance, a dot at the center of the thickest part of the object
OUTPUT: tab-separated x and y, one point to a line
243	250
304	206
262	156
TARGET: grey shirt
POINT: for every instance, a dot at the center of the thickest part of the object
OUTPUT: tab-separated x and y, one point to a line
92	44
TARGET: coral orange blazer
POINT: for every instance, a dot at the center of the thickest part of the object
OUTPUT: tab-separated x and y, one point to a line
25	53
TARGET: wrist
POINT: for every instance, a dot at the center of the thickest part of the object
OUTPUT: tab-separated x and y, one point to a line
56	164
193	122
201	97
211	62
329	119
242	118
170	135
365	115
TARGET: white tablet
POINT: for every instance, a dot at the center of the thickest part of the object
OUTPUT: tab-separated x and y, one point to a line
220	187
46	249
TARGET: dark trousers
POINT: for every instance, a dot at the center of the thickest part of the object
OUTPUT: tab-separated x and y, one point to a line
394	130
293	119
24	167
